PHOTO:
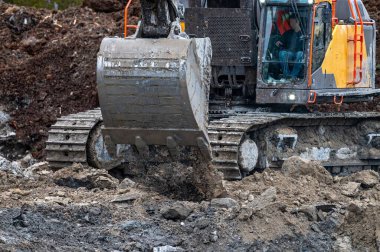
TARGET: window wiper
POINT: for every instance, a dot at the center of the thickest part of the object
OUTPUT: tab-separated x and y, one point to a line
295	9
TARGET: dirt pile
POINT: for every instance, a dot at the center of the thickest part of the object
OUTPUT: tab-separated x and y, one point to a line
48	64
104	5
264	212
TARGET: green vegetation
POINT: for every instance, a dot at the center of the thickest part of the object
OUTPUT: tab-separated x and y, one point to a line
50	4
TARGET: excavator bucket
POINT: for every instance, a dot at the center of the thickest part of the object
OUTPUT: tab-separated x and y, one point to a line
155	91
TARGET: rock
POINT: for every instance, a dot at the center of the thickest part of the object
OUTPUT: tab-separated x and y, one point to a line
351	189
176	212
4	164
20	192
377	235
214	236
77	176
297	166
10	167
355	207
126	184
104	182
130	225
32	45
224	203
4	117
57	200
309	210
12	10
104	5
37	169
6	133
315	212
244	195
202	223
27	161
264	200
251	198
167	248
126	198
343	244
367	179
60	194
246	212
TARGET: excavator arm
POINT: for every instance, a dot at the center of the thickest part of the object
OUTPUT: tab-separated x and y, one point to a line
157	18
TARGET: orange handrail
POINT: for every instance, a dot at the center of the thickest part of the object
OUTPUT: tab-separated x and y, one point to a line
312	97
340	102
126	26
355	40
334	19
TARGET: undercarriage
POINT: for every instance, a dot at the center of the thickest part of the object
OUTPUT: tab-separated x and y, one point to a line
343	143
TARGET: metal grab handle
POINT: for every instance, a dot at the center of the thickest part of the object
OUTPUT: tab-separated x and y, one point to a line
340	102
312	97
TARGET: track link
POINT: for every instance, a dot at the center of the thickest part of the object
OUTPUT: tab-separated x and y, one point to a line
226	136
67	142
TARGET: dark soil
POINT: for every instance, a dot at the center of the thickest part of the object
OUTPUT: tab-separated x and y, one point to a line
48	65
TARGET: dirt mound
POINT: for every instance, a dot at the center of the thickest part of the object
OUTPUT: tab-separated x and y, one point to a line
296	167
78	176
189	178
105	5
48	64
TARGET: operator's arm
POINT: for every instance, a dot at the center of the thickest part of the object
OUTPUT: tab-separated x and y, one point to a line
284	40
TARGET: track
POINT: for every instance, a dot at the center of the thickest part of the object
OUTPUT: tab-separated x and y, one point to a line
227	134
67	142
68	138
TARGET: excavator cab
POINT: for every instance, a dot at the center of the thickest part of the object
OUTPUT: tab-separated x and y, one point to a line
259	59
284	49
315	51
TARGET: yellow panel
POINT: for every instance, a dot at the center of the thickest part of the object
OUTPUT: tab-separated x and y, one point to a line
322	1
182	23
340	56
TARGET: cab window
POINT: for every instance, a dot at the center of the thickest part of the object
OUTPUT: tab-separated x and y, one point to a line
322	34
285	38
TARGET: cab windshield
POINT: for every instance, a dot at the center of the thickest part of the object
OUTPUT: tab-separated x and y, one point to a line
285	40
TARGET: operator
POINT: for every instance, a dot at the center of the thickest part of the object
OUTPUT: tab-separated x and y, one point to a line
291	49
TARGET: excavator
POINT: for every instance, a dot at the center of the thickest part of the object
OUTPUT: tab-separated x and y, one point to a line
227	78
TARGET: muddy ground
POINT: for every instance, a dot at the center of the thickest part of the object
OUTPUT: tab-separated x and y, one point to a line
298	208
